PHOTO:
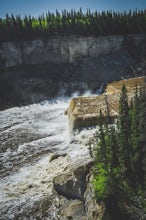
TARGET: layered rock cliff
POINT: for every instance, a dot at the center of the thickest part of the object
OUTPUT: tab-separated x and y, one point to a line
31	71
56	50
85	111
60	49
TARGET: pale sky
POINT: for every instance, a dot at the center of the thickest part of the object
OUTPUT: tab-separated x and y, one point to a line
37	7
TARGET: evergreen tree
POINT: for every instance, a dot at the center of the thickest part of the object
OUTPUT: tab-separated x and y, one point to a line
13	28
114	148
120	174
141	149
125	133
102	157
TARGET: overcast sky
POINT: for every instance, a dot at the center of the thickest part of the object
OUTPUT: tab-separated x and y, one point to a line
37	7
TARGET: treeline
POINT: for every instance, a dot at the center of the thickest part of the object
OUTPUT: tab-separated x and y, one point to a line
14	28
119	179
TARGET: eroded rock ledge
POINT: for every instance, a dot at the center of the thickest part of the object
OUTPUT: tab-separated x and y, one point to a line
85	111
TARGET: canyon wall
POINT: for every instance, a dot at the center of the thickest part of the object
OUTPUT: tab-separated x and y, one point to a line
33	71
60	49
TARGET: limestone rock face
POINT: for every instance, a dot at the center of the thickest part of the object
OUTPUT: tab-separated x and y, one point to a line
72	183
10	54
74	210
115	87
33	71
59	49
85	111
56	50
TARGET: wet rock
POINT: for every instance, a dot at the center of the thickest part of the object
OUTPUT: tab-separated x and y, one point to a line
55	156
72	183
74	210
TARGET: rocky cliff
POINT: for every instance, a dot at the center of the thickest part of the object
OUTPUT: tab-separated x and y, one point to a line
31	71
60	49
56	50
85	111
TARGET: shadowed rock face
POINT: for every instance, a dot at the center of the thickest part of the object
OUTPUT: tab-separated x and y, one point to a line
33	71
85	111
64	49
57	50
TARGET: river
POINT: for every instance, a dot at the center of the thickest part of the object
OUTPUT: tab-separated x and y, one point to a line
30	136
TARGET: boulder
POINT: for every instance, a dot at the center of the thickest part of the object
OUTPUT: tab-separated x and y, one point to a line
73	211
72	183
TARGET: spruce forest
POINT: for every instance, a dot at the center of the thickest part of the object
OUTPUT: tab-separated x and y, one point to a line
15	28
119	179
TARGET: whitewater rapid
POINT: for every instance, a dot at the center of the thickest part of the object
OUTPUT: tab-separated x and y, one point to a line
29	136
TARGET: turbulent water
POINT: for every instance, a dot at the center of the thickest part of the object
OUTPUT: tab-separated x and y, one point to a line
29	136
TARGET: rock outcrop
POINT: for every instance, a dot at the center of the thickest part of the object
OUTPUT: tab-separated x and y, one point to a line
32	71
72	183
58	50
85	111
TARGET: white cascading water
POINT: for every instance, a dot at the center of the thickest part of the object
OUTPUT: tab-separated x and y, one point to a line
29	136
